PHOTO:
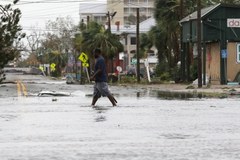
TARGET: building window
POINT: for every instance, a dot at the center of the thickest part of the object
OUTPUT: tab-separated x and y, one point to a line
133	40
238	53
133	51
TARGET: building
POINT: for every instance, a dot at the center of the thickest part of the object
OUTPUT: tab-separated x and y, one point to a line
95	11
127	9
128	39
220	41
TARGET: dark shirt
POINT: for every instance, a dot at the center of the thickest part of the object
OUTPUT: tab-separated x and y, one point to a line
100	64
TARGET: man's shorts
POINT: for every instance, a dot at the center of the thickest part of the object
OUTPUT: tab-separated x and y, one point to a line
101	89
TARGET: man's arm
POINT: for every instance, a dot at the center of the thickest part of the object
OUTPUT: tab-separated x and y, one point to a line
98	72
95	74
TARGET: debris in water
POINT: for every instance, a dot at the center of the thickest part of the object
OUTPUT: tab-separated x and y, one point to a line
53	93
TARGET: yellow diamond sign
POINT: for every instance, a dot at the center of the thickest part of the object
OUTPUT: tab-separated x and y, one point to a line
41	68
85	65
83	57
53	65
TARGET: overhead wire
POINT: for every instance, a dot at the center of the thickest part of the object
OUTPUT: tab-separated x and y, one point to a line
52	1
63	7
46	13
49	12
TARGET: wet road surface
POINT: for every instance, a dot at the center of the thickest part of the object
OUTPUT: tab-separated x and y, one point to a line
142	127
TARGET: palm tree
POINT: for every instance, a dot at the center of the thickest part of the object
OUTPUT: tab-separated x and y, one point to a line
145	44
95	36
165	34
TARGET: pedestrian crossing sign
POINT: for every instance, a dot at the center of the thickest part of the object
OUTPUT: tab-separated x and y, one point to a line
41	68
85	65
53	67
83	57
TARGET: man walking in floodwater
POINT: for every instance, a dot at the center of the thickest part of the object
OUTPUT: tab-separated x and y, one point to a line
100	77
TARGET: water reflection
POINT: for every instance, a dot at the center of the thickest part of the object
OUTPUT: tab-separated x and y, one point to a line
168	94
138	94
8	117
101	111
179	136
100	118
179	95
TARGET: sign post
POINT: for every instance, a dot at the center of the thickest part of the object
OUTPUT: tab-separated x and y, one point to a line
134	61
146	63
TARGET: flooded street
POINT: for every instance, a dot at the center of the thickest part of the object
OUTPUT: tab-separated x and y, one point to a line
139	128
144	125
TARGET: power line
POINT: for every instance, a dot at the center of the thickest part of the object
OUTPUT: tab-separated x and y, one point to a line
52	1
52	12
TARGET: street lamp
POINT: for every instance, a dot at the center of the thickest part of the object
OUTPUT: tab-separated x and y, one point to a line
110	17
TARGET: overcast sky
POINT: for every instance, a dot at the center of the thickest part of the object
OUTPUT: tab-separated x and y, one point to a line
37	12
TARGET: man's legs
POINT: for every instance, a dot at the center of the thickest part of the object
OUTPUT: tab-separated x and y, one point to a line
101	88
94	100
112	100
96	95
109	95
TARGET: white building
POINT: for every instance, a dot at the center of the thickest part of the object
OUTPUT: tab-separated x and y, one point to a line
128	35
95	11
127	9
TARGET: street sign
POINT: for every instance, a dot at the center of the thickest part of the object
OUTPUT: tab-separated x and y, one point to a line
134	61
83	57
119	68
41	68
224	53
85	65
53	65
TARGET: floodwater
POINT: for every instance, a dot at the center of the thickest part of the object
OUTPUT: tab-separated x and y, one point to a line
140	128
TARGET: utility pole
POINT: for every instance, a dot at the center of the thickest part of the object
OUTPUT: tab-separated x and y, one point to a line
182	51
109	17
109	22
199	43
137	47
81	69
88	21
